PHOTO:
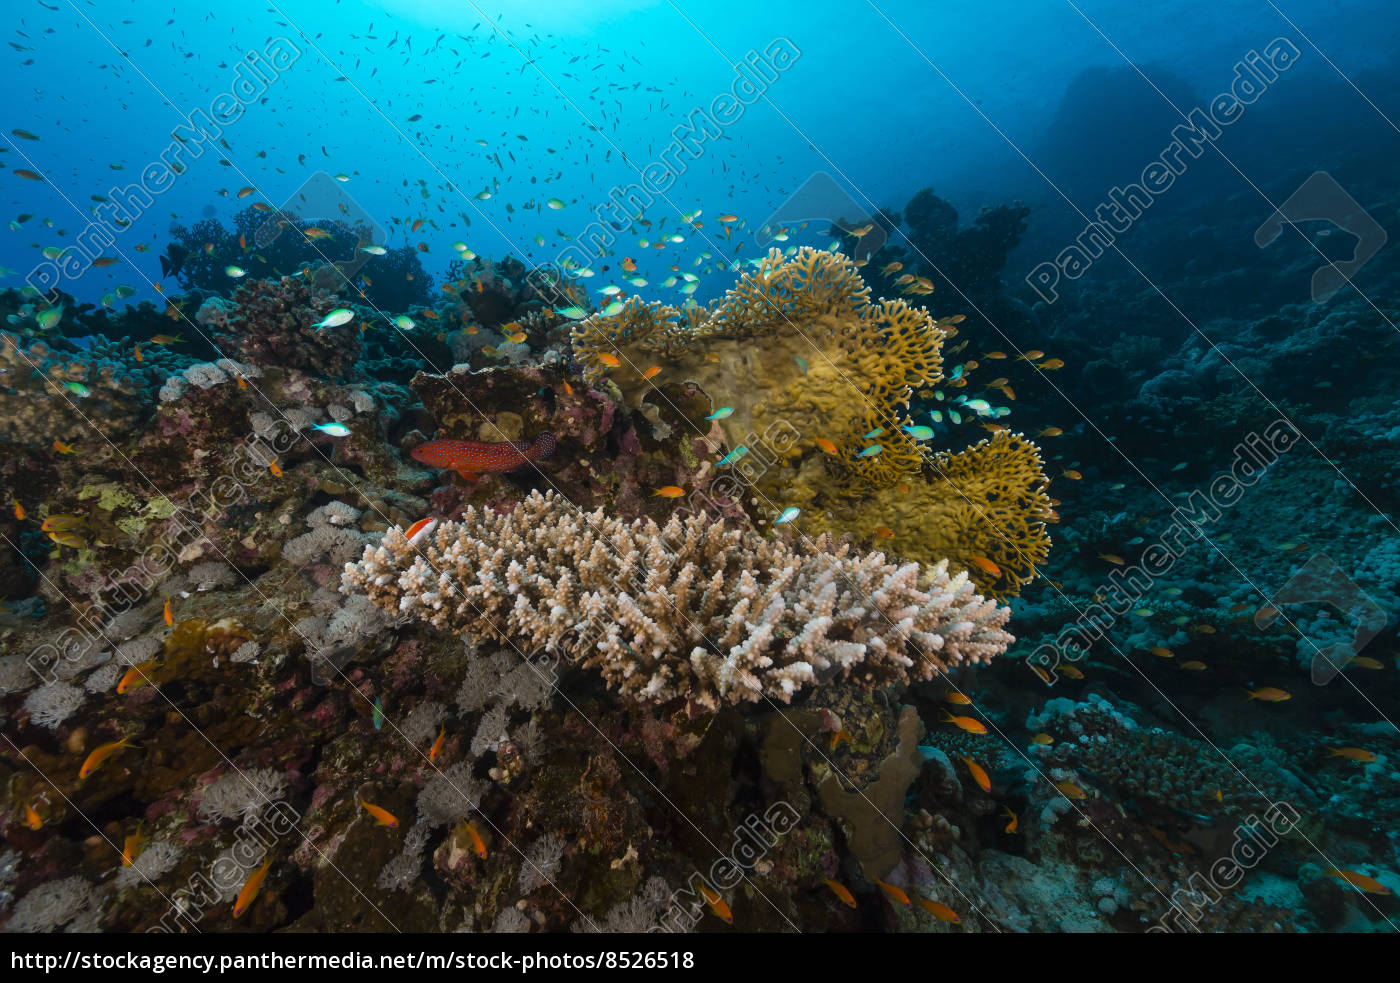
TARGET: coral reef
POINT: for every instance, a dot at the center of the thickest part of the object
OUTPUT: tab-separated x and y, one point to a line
808	382
47	394
690	610
274	322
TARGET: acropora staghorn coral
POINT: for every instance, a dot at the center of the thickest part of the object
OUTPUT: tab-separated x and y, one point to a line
691	610
798	362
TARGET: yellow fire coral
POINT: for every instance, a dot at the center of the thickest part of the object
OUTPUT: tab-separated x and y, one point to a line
796	351
982	509
812	380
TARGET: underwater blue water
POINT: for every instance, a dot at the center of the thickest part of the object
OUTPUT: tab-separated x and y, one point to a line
888	98
1172	228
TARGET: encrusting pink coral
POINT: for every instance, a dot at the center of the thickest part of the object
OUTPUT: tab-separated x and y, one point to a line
691	609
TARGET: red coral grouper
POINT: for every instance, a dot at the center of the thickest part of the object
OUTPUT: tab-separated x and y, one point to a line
473	458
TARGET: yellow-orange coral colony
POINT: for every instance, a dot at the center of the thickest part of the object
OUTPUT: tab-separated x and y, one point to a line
807	367
692	609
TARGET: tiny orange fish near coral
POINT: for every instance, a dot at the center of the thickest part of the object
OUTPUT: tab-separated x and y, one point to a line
717	904
894	892
939	910
970	724
979	774
985	565
381	816
101	754
478	843
251	887
841	891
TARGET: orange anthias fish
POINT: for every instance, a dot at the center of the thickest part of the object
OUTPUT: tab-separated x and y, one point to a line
381	816
167	614
251	887
1071	790
939	910
1352	754
841	891
970	724
477	842
979	774
961	699
985	565
135	676
436	749
717	904
668	491
473	458
100	754
1360	881
61	523
131	848
894	892
1270	694
32	819
1015	823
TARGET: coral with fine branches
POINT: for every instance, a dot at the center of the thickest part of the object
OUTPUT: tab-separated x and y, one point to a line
690	610
814	378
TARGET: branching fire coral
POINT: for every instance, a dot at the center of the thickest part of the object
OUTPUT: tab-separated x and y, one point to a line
814	379
796	344
689	610
986	503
